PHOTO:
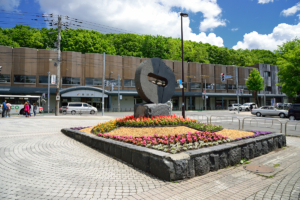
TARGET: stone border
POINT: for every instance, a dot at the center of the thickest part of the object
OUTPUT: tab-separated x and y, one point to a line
188	164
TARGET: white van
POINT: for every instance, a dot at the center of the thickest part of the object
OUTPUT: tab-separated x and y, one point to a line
79	108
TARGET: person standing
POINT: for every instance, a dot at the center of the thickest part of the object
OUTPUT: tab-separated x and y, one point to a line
29	108
8	105
26	109
34	108
4	107
251	107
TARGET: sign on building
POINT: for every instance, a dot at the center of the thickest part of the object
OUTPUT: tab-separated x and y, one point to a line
53	79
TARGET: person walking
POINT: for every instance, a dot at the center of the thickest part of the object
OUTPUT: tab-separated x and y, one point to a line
29	108
8	105
26	109
34	108
251	107
4	107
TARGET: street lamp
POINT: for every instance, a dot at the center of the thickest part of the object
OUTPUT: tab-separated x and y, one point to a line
183	106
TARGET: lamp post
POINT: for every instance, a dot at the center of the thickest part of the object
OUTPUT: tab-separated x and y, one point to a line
183	106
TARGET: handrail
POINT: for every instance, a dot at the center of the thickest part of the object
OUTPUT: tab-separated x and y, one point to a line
227	117
255	118
199	116
287	123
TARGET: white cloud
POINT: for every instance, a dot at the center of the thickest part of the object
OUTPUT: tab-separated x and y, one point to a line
292	10
281	33
9	4
265	1
145	17
234	29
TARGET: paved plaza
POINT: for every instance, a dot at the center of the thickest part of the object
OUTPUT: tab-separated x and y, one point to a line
39	162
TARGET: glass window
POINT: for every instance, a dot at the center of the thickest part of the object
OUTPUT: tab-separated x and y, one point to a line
296	107
4	78
267	74
268	89
89	81
129	83
93	81
221	86
195	85
70	81
271	108
231	87
24	79
85	105
75	81
43	79
209	86
97	81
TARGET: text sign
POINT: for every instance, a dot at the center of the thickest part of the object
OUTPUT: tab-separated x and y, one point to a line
53	79
227	76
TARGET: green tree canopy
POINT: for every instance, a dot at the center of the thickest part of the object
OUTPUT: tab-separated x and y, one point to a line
289	68
128	44
255	82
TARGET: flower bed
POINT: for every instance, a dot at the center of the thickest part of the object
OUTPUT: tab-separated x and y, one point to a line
172	143
131	121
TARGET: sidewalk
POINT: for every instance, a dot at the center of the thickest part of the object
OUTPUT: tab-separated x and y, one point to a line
237	183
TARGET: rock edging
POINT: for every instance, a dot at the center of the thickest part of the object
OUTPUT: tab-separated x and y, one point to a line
188	164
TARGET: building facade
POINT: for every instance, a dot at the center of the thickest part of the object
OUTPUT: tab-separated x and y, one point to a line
25	72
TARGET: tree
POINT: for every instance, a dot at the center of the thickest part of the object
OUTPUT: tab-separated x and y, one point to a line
255	83
289	71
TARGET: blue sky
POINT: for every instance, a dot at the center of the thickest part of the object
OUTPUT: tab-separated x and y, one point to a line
251	24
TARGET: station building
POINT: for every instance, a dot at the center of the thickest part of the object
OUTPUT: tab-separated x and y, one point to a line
25	72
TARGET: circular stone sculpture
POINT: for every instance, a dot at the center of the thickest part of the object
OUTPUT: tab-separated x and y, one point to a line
150	92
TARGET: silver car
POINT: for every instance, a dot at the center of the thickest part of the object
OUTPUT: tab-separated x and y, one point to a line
270	111
246	106
80	108
233	106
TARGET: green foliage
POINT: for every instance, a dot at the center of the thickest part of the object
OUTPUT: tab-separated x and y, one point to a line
255	83
288	62
127	44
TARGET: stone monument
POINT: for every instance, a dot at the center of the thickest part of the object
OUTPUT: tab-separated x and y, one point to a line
155	93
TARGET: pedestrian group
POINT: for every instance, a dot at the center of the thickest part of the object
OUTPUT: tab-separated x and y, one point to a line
6	107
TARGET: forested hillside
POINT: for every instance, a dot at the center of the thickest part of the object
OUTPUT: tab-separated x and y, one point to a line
126	44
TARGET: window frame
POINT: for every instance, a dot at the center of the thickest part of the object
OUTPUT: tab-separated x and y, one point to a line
24	79
65	77
132	83
196	88
93	81
4	78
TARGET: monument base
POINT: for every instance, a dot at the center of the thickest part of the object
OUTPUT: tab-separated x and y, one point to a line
151	109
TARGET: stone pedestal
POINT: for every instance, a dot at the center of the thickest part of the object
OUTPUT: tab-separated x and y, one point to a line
151	109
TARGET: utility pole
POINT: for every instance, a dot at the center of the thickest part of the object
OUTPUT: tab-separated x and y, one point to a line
58	66
265	98
103	86
48	92
205	95
118	92
237	88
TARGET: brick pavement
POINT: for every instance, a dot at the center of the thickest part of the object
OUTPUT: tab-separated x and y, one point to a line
38	162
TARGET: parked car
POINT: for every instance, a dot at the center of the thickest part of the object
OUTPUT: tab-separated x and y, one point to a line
294	112
246	106
80	108
269	111
63	110
283	105
233	107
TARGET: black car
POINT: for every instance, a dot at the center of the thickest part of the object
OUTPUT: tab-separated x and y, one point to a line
294	112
